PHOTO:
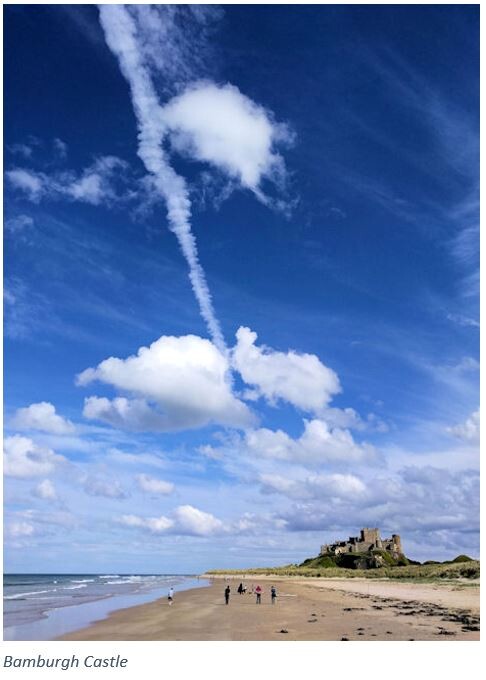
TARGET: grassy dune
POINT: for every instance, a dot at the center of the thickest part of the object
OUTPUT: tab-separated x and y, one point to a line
449	571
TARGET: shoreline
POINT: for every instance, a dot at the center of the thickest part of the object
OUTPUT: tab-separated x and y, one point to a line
306	609
69	618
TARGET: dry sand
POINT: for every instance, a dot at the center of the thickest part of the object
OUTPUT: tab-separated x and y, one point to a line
309	609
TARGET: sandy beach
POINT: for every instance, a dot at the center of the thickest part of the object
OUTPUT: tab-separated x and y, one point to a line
306	609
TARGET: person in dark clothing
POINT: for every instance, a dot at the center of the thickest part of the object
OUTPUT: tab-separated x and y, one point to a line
227	592
240	588
273	594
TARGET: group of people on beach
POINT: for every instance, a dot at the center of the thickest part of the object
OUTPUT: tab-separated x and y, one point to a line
242	589
258	591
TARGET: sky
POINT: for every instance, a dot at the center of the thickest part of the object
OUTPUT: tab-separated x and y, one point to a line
241	283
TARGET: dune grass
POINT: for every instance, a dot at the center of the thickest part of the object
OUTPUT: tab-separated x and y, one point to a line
423	572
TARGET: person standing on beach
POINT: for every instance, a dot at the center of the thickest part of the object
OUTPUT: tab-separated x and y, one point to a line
258	592
240	588
170	596
227	592
273	594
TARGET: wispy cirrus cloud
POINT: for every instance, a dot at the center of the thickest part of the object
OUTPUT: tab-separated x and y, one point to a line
102	183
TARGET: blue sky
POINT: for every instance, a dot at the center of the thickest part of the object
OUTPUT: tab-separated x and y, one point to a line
315	171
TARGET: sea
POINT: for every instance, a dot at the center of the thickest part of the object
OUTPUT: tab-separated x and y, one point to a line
45	606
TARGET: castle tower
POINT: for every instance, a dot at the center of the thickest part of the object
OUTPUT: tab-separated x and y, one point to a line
371	536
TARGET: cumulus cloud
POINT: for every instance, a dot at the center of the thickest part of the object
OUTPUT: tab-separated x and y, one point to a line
153	485
24	458
129	414
185	520
185	377
156	525
190	520
469	430
318	444
42	416
46	490
425	504
220	125
300	379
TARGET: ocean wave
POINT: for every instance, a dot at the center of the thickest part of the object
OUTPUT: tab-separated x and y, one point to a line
129	579
24	595
82	585
83	580
110	576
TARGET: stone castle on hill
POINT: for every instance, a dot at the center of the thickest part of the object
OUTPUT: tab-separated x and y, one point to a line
368	541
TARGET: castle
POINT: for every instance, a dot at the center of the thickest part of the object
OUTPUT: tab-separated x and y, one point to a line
368	541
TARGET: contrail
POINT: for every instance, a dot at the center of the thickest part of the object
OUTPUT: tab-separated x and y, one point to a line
121	37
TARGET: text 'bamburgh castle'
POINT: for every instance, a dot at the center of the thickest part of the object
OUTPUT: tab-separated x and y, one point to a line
367	541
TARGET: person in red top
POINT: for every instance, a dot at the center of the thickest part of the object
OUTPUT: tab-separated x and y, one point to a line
258	592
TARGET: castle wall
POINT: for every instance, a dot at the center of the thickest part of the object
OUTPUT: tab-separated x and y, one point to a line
369	539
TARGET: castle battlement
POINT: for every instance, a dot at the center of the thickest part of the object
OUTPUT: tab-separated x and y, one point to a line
367	541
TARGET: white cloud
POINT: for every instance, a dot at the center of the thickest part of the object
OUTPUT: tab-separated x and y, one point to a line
153	485
46	490
103	182
124	458
318	444
225	128
107	488
215	124
42	416
19	529
300	379
20	149
323	487
186	378
185	520
60	147
18	223
121	27
463	320
416	502
469	430
27	181
129	414
156	525
24	458
95	185
190	520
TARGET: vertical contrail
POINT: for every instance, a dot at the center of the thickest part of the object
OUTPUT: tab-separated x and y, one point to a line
121	37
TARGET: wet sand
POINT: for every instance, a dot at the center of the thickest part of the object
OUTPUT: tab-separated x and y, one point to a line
306	609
